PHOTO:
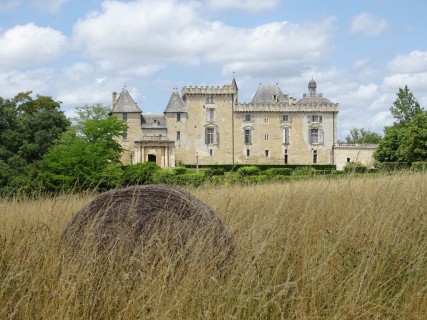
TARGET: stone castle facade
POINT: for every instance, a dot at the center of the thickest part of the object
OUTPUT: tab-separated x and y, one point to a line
208	125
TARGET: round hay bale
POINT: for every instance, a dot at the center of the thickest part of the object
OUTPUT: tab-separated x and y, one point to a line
163	218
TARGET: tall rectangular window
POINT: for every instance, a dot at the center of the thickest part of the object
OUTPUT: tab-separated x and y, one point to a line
314	156
178	135
247	118
314	136
125	117
286	156
125	136
248	138
248	152
285	135
267	153
210	135
266	120
178	117
210	115
266	137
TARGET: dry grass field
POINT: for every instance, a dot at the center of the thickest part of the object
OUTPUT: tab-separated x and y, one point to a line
352	248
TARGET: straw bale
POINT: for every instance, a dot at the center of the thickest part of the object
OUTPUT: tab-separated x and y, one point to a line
161	216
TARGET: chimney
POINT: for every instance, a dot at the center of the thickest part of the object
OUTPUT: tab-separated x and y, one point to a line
114	98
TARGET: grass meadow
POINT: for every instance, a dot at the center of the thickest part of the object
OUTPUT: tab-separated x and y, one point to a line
348	248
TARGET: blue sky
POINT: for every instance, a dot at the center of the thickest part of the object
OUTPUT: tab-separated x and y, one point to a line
79	51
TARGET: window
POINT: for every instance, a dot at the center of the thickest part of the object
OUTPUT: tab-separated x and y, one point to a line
125	117
267	153
248	136
314	135
209	100
286	118
178	135
314	156
210	137
125	136
348	159
210	152
210	115
247	118
266	137
275	97
248	152
315	118
178	117
286	156
285	135
265	120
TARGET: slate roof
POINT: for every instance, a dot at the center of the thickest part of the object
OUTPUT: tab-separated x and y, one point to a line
147	121
125	103
265	94
175	103
314	100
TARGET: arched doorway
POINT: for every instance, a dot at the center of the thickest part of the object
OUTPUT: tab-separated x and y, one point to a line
152	158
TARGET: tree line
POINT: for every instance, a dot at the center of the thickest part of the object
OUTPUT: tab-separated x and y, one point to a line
42	150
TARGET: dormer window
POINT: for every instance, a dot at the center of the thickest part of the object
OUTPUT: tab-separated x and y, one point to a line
275	98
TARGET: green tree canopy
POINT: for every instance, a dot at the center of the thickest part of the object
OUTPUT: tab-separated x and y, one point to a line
406	140
28	127
362	136
405	107
87	156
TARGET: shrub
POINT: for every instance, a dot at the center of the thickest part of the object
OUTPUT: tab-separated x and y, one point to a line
140	173
419	166
180	170
304	171
189	179
272	172
163	176
248	171
355	167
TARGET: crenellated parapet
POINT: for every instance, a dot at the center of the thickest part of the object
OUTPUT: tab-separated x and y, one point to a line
285	107
209	90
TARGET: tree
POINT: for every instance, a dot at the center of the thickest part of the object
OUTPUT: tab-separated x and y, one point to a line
87	113
86	156
363	136
28	127
406	140
405	107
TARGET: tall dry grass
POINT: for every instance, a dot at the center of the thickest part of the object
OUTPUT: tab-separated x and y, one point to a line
354	248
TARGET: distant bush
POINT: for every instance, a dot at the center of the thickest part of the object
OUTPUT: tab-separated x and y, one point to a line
304	171
248	171
163	176
419	166
209	172
189	179
180	170
355	167
392	166
140	173
272	172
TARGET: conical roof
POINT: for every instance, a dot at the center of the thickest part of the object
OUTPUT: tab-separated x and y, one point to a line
125	103
175	103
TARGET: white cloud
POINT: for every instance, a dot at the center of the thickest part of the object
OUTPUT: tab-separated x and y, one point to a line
48	5
368	25
30	45
148	35
414	62
245	5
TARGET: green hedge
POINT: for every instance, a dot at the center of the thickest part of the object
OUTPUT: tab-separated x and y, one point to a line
235	167
419	166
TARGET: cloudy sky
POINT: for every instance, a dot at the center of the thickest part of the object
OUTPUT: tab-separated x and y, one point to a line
79	51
